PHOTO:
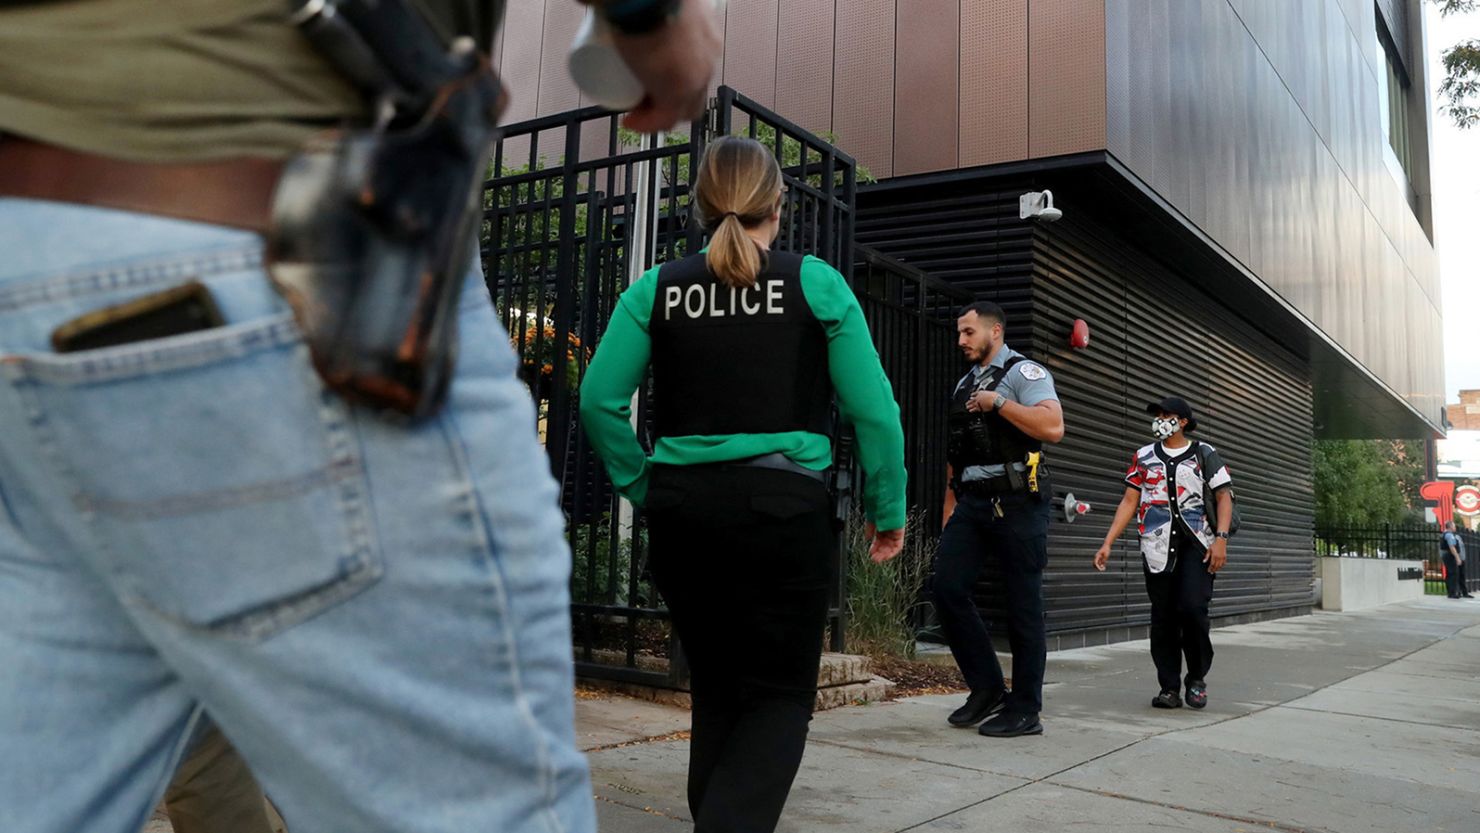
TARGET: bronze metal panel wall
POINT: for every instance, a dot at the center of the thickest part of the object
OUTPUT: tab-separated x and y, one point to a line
1258	121
863	81
557	91
804	63
523	41
497	56
994	83
908	86
720	14
750	49
1066	76
926	83
523	29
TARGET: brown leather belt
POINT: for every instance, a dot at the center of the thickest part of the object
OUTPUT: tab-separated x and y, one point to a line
231	192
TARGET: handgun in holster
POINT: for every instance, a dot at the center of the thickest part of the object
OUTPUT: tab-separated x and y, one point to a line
371	234
1014	477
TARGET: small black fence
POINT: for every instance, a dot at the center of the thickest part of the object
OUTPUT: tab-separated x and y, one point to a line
1401	542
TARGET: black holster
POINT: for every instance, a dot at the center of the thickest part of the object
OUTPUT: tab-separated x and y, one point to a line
372	228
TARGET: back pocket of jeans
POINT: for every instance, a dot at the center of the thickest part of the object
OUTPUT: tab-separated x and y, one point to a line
221	484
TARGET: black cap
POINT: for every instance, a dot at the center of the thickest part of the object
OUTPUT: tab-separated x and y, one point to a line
1174	405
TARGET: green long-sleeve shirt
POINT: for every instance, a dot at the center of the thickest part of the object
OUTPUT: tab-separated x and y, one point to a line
864	397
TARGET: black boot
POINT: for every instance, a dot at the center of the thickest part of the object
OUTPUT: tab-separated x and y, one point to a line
979	706
1009	725
1167	700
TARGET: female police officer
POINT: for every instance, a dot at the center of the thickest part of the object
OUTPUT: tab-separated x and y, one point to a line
747	348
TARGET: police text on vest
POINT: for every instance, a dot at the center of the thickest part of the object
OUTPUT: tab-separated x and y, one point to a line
714	301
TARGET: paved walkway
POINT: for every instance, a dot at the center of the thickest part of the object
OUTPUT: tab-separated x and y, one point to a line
1343	722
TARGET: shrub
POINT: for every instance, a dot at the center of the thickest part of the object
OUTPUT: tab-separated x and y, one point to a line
883	599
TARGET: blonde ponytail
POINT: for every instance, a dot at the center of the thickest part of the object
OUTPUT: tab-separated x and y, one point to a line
738	188
733	257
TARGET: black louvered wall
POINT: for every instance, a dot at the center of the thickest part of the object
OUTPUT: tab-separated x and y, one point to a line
1152	334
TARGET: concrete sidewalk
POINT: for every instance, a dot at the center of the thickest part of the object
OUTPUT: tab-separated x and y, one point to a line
1344	722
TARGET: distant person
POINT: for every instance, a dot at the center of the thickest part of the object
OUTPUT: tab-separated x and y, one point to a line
747	347
1184	544
1464	564
1452	549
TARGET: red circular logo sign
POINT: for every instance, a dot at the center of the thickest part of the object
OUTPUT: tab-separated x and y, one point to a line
1467	500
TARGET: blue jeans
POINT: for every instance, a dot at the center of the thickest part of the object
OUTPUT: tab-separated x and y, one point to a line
375	615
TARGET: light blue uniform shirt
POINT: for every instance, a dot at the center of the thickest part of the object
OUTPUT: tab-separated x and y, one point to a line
1028	383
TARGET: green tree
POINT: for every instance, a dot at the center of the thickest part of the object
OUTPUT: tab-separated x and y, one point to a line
1367	482
1461	85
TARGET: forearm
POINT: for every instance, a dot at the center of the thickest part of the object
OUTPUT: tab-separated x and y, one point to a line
606	403
1123	514
865	396
867	402
1225	509
609	428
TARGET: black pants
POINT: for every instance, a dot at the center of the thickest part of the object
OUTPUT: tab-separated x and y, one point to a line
1179	617
1454	586
741	556
1019	542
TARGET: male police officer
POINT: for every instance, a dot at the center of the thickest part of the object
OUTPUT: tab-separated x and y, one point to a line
1001	414
1452	548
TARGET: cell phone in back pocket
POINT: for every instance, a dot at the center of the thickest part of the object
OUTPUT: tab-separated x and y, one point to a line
174	311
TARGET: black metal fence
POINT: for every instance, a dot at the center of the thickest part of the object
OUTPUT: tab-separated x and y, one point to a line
912	318
1401	542
575	209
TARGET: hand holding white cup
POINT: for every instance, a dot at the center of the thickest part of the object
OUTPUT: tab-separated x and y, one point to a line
596	64
598	69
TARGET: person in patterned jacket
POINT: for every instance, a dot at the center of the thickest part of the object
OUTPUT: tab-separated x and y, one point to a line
1183	545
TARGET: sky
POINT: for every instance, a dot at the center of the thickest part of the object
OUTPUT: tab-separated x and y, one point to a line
1456	185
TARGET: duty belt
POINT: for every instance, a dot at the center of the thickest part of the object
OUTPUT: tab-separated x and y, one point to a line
780	462
988	486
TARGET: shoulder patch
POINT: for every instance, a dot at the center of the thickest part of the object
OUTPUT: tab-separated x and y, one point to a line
1032	371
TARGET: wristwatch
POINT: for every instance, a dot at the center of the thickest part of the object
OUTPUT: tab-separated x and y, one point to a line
639	17
999	402
1223	535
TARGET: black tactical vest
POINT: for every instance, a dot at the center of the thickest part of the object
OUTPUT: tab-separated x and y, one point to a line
984	438
737	361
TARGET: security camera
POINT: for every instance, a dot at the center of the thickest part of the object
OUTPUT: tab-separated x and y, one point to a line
1038	205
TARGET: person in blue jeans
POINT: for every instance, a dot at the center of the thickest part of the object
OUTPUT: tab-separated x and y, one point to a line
375	615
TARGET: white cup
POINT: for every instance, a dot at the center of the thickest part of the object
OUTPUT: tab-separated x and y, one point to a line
598	69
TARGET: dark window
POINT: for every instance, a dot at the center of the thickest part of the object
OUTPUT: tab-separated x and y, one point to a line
1393	90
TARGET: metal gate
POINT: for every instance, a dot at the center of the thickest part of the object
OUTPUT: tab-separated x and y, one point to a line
575	209
912	318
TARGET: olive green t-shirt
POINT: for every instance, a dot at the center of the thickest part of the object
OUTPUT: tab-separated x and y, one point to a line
149	80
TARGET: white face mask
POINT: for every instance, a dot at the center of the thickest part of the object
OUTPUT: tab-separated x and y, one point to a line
1162	427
